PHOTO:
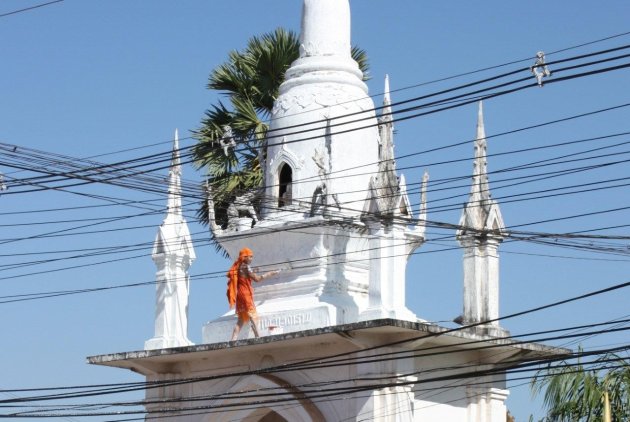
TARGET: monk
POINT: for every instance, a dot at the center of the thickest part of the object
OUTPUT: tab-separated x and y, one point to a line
240	292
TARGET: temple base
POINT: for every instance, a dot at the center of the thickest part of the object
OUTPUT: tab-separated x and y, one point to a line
403	314
166	342
278	318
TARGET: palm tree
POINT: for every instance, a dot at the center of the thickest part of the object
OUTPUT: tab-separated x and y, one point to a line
576	394
250	79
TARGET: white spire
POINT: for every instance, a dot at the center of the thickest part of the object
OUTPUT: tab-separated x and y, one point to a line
385	186
173	253
480	187
325	50
423	197
386	113
480	233
480	212
387	134
421	223
325	28
174	212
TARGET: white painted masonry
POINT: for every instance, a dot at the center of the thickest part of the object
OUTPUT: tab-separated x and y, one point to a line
173	253
480	233
344	253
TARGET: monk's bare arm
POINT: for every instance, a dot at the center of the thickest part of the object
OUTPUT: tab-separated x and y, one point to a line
259	277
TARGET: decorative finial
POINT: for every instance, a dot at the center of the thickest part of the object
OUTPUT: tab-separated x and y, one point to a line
423	196
214	227
386	113
175	162
386	132
480	187
227	140
174	203
481	212
481	131
420	225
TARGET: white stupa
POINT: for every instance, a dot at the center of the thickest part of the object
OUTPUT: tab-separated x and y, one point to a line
335	216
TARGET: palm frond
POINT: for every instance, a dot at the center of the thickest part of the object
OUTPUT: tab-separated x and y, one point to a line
573	393
360	56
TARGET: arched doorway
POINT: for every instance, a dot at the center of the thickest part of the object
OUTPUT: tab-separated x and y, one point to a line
272	417
285	185
301	409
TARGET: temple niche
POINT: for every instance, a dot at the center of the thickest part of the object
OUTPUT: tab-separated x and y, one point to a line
285	185
340	209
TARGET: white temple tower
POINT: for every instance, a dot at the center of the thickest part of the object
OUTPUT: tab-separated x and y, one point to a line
323	117
173	253
335	215
481	230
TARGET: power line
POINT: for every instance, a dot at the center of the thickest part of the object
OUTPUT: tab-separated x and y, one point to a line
325	123
529	236
30	8
306	363
492	95
396	380
538	125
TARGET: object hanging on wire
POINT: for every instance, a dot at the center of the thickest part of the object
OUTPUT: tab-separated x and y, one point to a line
540	69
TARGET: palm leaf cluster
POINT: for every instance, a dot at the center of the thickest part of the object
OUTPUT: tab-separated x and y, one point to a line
575	394
250	80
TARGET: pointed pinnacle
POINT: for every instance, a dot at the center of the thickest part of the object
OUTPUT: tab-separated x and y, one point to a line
386	113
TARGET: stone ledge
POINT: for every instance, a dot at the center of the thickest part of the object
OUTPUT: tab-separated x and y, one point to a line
346	330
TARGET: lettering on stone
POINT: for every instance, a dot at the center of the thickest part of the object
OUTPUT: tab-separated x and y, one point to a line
286	320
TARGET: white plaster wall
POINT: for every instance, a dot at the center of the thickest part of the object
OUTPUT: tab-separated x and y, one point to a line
321	88
414	401
324	280
350	157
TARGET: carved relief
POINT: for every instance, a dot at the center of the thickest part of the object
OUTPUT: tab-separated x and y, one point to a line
228	140
335	286
320	199
285	155
214	227
310	49
242	204
333	95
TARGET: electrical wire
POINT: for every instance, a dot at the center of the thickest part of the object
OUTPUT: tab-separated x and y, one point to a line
37	6
516	367
310	363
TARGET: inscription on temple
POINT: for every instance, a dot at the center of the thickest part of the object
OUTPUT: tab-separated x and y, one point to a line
287	320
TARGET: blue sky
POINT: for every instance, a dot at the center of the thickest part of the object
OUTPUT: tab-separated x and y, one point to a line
113	80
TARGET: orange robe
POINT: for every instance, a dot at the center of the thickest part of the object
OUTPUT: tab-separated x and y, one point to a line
244	296
240	291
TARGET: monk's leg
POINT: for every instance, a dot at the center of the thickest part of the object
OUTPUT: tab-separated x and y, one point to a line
237	329
253	319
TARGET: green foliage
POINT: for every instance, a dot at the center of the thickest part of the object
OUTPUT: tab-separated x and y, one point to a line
573	393
250	79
